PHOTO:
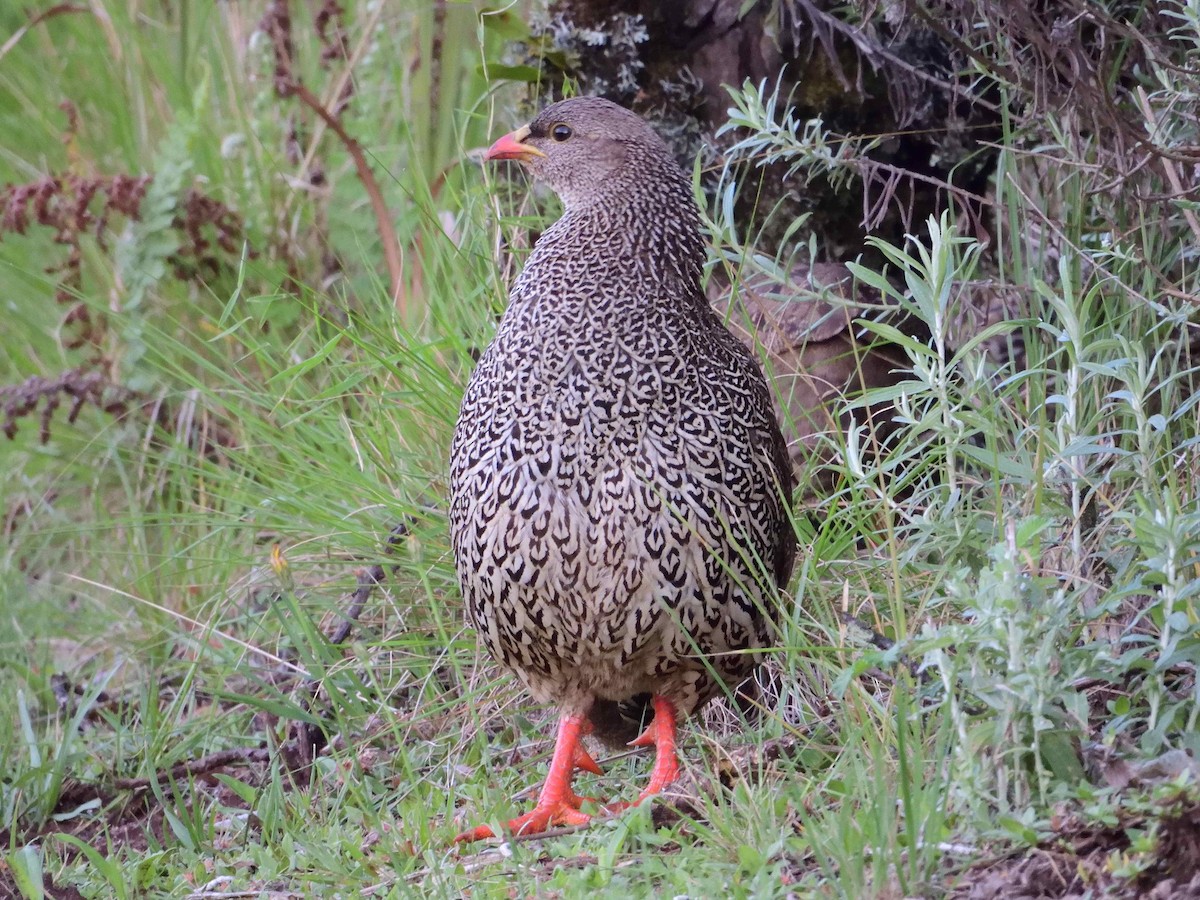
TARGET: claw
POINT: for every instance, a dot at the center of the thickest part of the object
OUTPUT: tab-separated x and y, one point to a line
542	818
584	761
558	804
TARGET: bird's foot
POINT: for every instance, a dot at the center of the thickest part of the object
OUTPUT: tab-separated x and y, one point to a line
583	763
558	805
666	760
542	818
661	736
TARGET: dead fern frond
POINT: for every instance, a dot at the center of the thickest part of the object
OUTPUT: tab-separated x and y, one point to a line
43	396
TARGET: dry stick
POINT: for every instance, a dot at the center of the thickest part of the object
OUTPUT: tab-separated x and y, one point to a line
201	766
302	744
871	47
951	39
77	793
367	580
869	169
383	220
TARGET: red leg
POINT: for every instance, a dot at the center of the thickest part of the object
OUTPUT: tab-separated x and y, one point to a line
583	763
557	804
661	736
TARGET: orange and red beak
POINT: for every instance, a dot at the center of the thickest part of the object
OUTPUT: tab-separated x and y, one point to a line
513	146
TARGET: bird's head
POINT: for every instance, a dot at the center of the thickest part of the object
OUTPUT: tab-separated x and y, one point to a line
585	149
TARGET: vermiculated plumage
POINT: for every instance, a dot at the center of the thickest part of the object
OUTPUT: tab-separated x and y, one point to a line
618	479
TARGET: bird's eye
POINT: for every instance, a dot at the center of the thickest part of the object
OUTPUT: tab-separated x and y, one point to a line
560	132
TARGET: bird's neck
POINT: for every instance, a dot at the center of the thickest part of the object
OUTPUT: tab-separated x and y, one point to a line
635	239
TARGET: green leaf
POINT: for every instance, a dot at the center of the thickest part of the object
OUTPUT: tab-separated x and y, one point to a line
1060	756
109	868
279	708
1005	465
750	859
245	792
522	74
504	24
25	864
997	329
871	278
147	244
1019	830
894	335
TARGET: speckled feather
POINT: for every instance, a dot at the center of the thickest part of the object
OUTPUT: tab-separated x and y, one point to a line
618	478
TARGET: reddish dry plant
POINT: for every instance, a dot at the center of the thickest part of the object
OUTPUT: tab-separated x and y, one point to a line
76	208
72	206
81	385
335	47
206	225
276	23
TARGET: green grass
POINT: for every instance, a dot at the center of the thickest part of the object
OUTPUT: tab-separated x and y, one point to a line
168	578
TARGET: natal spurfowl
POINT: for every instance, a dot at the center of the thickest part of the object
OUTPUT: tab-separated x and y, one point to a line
619	488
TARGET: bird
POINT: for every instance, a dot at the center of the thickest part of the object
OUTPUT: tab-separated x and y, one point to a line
619	487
